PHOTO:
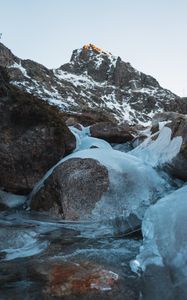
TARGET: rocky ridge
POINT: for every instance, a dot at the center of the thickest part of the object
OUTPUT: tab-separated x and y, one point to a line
95	82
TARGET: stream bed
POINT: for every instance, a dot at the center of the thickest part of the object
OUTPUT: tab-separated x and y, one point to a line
43	258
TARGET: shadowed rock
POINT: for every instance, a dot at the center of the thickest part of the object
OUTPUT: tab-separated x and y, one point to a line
112	133
33	138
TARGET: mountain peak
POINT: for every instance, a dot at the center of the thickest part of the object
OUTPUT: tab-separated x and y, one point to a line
95	49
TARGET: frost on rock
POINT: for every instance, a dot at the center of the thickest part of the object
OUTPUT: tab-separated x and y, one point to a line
165	238
159	151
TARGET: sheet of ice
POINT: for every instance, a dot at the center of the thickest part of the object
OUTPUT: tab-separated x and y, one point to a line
84	141
11	200
159	151
89	142
20	243
165	238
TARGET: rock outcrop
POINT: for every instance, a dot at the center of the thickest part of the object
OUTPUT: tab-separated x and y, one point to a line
33	138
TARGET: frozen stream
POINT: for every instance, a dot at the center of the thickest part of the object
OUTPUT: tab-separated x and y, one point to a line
45	258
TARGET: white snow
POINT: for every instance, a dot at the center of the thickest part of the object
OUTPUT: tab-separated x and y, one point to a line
21	68
123	111
76	80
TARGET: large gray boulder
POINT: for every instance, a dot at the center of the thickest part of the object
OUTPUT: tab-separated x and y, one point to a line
73	189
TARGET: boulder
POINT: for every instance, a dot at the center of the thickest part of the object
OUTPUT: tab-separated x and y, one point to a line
112	133
34	137
100	185
73	189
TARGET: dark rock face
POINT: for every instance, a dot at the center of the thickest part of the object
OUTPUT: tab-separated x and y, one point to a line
33	138
73	189
178	124
6	56
178	167
112	133
86	118
94	82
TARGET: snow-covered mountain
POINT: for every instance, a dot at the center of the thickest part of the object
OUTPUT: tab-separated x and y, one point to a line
94	81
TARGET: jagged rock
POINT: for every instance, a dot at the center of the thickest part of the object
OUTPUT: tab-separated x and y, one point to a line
112	133
73	189
95	82
6	56
33	138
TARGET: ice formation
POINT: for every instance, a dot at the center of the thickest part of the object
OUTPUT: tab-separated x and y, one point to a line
11	200
159	151
165	237
134	185
165	243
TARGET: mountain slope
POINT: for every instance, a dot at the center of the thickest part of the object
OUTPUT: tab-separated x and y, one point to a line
94	81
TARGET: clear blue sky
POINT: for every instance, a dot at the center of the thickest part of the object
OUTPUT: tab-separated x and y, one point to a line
150	34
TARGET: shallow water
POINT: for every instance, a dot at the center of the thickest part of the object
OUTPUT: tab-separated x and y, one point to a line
97	266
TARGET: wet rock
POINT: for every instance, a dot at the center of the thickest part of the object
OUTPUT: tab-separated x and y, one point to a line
3	206
73	189
81	280
70	279
112	133
33	138
154	277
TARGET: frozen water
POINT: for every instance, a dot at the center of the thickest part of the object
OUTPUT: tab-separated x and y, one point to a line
159	151
165	245
84	141
165	237
19	243
11	200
